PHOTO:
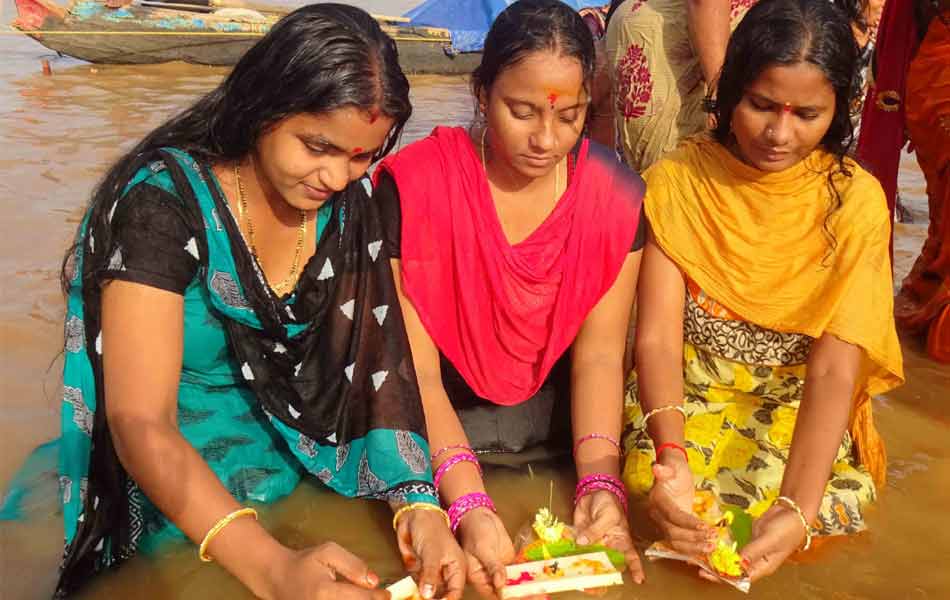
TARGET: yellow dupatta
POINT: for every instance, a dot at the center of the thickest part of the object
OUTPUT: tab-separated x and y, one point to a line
756	242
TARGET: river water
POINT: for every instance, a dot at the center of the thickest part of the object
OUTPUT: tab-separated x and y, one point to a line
59	132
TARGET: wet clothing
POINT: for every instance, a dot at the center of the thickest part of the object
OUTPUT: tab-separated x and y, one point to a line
319	381
763	283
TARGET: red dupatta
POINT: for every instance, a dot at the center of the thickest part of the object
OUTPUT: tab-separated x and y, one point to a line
882	121
503	314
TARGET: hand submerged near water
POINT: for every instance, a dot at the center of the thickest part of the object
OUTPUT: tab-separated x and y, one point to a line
599	518
429	552
776	535
316	573
488	548
671	507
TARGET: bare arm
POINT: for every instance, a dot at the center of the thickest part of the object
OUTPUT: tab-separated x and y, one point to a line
142	337
832	373
659	343
597	373
709	26
442	423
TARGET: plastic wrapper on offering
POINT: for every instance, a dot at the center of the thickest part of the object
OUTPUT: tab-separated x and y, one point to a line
546	538
734	527
570	573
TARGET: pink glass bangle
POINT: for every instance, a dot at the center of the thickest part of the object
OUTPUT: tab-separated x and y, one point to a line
601	481
465	504
445	449
451	462
596	436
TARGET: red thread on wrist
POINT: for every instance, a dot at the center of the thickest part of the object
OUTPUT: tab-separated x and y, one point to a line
674	446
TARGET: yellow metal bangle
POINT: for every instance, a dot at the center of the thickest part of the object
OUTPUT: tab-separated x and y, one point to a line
420	506
221	524
789	503
677	407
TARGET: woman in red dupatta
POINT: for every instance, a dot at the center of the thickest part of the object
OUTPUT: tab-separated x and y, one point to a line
520	239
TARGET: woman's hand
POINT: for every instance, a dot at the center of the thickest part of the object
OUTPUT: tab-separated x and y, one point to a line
671	506
488	549
314	573
429	550
775	536
599	518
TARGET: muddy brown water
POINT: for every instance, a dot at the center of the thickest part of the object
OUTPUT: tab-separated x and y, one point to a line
58	133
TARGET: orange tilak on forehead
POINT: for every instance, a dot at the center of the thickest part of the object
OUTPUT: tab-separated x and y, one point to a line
787	107
553	96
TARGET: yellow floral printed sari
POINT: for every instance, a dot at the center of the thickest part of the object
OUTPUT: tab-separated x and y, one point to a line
748	331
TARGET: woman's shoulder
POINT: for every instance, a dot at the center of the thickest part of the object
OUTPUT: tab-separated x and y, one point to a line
863	201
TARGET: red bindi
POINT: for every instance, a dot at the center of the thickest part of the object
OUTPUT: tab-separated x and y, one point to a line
552	98
357	150
787	107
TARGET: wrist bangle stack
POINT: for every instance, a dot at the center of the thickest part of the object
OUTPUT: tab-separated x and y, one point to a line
601	481
216	529
672	446
791	504
677	407
451	462
596	436
465	504
444	449
418	506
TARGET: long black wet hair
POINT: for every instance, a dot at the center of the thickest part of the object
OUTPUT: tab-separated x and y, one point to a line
529	26
789	32
317	59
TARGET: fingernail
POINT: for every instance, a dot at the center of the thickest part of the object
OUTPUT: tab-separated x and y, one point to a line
583	541
372	579
745	562
428	590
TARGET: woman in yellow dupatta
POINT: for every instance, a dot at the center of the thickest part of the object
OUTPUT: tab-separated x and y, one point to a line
923	304
765	306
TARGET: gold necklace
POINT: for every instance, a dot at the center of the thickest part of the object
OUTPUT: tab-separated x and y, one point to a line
557	167
244	215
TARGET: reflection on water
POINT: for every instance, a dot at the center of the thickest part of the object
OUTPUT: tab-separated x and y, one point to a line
60	132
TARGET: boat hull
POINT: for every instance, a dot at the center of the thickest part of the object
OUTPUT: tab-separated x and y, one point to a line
146	35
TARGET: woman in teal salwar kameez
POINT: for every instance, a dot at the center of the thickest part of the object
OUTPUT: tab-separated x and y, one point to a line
199	375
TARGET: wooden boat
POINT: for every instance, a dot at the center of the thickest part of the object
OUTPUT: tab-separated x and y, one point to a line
155	32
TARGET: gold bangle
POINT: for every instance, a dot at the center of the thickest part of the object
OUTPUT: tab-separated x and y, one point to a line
221	524
420	506
677	407
789	503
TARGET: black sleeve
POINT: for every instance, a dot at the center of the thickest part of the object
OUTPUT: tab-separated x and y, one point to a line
386	195
643	226
151	242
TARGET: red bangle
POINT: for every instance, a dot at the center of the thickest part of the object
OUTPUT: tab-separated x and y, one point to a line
673	445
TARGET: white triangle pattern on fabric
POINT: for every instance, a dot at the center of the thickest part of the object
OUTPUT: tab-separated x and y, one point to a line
290	313
378	378
349	371
279	348
332	438
99	344
326	272
247	372
374	248
192	248
293	411
368	186
297	369
347	308
380	313
112	212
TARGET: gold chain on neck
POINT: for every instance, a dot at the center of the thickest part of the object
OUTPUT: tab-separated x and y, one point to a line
244	216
